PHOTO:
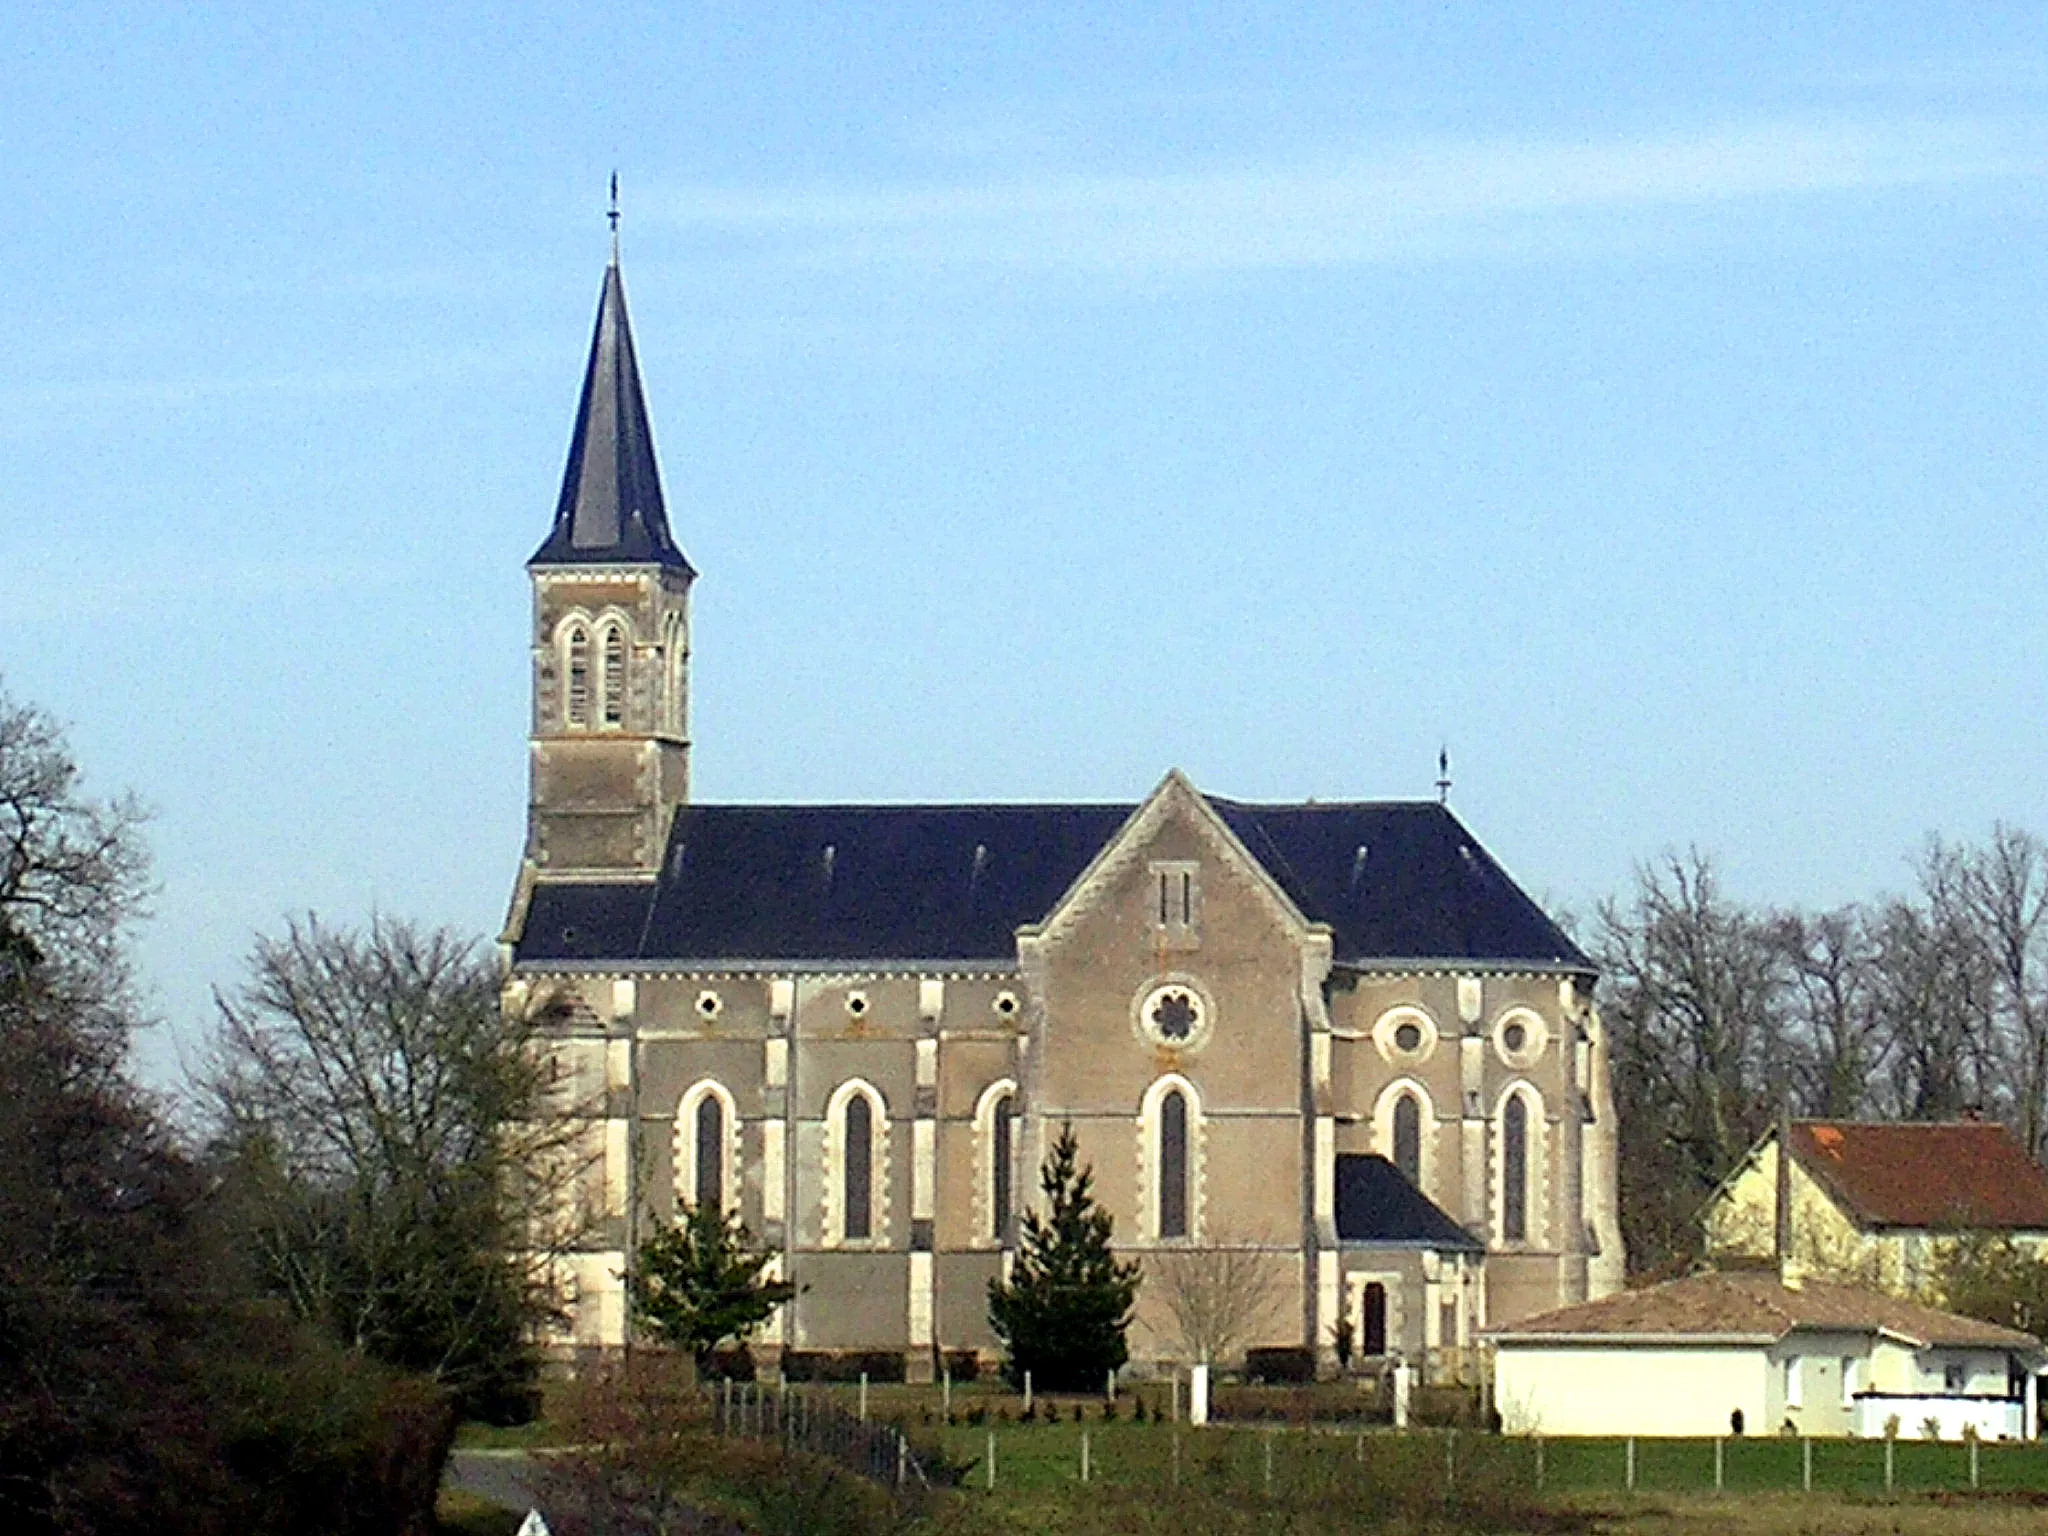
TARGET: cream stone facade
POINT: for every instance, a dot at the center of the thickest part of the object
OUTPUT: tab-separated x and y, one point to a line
1336	1035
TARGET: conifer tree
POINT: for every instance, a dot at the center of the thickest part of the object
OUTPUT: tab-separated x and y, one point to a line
1065	1311
701	1280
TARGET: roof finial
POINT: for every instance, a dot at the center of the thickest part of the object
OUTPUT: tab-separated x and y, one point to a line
1443	775
613	214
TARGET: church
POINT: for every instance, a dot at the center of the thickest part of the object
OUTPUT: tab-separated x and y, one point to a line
1334	1037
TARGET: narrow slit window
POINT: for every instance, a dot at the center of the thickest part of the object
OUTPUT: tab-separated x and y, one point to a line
711	1152
1187	899
614	675
1173	1165
1408	1138
578	707
860	1168
999	1170
1514	1171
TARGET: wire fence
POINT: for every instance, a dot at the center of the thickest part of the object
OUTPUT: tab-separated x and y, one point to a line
810	1421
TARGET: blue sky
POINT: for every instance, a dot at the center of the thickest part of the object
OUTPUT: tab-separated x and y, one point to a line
1647	407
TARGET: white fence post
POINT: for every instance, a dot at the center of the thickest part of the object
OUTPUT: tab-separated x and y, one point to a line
1084	1455
1719	1471
1631	1463
863	1397
1806	1464
1198	1395
991	1460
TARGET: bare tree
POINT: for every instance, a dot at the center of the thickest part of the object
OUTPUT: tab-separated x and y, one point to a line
1833	1032
1221	1298
2005	895
1695	988
389	1124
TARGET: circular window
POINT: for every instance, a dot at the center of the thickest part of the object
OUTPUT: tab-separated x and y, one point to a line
1519	1037
856	1003
1006	1005
1405	1034
709	1004
1174	1014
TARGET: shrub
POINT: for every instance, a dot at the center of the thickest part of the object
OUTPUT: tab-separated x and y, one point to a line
878	1365
1285	1364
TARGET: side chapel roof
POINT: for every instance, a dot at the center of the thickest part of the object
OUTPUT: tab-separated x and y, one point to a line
611	510
1395	881
1377	1204
1964	1174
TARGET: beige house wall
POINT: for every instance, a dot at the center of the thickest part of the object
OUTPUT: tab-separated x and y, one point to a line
1635	1389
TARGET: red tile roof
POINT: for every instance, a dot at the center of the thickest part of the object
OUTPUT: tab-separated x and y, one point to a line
1756	1305
1956	1174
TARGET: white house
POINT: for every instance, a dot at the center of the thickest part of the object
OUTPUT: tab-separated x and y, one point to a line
1743	1351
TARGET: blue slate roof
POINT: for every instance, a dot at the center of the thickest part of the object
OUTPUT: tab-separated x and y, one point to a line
1394	880
611	510
1377	1204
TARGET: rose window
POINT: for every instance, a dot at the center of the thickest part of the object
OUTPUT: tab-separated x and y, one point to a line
1174	1015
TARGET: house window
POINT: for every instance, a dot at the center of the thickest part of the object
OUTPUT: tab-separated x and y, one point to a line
614	674
858	1173
1514	1171
1000	1131
1955	1376
1373	1335
1173	1165
576	706
1408	1138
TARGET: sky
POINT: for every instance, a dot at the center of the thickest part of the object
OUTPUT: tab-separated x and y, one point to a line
1643	403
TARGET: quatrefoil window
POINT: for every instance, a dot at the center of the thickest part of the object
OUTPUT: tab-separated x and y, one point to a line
1174	1015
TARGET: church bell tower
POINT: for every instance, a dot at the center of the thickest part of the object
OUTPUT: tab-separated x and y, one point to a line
610	741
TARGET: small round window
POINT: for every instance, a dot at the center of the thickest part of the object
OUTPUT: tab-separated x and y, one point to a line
1405	1034
1519	1037
1174	1014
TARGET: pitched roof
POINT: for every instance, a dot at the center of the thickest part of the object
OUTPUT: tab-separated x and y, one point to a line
1969	1174
1395	881
1377	1204
611	509
1757	1305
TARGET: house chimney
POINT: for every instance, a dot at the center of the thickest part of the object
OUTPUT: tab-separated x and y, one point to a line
1788	1267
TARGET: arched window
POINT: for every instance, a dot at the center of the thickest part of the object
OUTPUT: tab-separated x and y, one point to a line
614	674
858	1173
576	702
710	1151
1173	1164
1000	1152
1514	1171
706	1147
1408	1137
856	1183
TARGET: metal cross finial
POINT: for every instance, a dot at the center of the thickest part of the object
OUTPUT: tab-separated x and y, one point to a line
1443	775
613	214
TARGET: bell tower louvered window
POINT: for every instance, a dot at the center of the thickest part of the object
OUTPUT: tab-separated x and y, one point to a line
614	674
577	703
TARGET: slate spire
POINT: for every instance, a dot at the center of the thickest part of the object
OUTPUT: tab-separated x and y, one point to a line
611	510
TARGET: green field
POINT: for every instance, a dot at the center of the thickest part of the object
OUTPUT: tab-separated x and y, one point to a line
1033	1457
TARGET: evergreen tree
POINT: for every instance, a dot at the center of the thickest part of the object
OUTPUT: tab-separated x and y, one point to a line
1067	1307
697	1282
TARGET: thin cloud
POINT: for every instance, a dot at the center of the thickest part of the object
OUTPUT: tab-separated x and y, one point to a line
1399	203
